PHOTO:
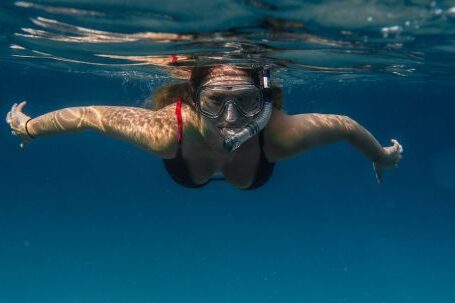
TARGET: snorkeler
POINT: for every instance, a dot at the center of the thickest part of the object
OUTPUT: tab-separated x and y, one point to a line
225	121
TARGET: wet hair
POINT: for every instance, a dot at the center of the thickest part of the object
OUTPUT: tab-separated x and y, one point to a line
168	93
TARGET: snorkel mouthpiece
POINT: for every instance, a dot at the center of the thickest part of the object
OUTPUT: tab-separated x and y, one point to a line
233	142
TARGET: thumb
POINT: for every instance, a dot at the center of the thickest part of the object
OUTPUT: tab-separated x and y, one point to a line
21	106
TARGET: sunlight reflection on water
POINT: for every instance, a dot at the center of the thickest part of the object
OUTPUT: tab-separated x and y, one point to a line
375	39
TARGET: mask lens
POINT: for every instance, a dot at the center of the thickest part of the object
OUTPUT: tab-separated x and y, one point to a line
211	101
247	99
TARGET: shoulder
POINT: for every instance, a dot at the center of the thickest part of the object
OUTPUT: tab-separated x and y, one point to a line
169	114
276	133
278	125
190	119
165	127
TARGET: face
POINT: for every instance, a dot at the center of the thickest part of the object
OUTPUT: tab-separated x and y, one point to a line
231	119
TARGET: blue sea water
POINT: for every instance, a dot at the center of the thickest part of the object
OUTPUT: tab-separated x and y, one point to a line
86	218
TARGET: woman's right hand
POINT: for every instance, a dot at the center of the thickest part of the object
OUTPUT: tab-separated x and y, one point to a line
17	120
389	159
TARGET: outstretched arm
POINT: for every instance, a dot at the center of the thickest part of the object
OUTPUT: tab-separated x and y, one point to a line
155	131
291	134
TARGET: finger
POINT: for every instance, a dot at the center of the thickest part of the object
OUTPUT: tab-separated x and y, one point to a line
397	146
21	106
8	118
13	108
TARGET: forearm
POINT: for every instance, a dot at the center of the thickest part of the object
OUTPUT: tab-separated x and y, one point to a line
297	133
136	125
325	129
363	140
383	157
66	120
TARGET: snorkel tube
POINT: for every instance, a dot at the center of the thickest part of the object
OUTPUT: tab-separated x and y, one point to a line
233	142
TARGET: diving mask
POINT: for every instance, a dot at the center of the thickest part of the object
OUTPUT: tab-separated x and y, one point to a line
213	99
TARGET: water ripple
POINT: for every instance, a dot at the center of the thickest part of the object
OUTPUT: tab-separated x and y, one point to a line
396	39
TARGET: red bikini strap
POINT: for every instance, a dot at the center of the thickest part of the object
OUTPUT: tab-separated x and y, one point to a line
178	114
174	59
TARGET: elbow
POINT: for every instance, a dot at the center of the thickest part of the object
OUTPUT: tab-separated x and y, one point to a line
349	127
92	118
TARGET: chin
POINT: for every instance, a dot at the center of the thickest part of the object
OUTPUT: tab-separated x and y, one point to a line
226	132
214	139
216	133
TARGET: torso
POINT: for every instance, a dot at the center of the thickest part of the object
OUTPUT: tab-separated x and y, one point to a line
238	168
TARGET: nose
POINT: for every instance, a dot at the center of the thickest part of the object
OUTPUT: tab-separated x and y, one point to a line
231	113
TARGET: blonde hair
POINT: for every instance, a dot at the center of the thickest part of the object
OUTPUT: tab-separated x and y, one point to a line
169	93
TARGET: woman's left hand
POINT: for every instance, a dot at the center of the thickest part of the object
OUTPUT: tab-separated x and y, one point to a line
390	158
17	120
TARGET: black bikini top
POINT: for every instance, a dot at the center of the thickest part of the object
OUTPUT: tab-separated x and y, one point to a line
178	169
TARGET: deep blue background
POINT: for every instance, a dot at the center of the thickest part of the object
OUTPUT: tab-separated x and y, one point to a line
86	218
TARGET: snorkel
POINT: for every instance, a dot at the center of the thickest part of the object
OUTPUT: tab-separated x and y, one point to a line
233	142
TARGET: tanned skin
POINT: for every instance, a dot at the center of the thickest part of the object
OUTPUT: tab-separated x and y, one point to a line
202	148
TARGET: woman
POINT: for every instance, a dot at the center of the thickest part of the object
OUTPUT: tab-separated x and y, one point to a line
226	121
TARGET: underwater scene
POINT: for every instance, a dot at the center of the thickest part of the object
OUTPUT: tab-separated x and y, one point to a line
85	217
